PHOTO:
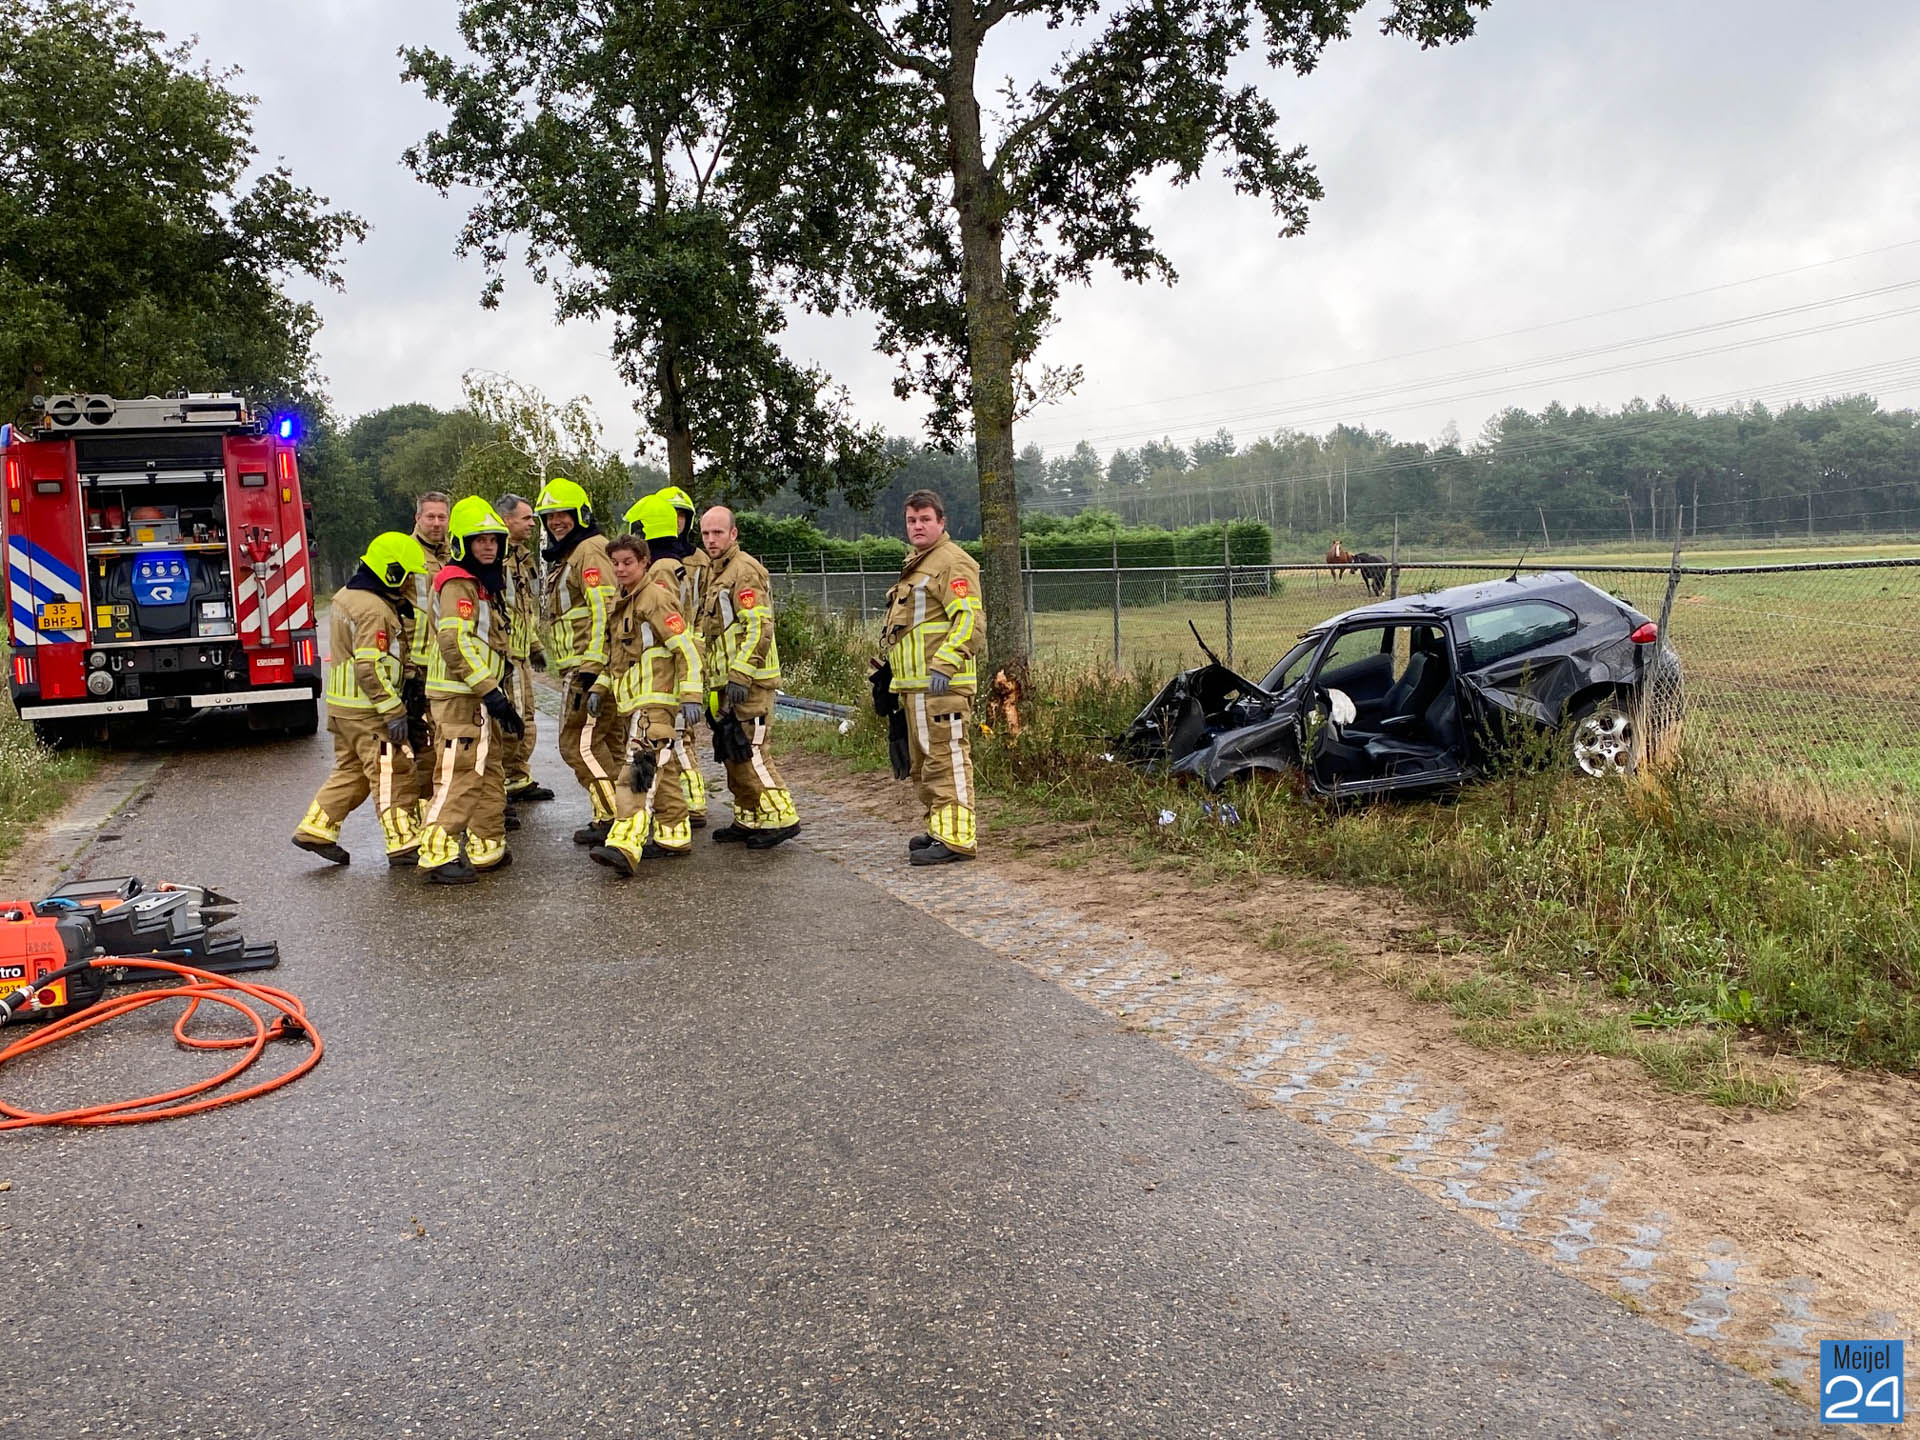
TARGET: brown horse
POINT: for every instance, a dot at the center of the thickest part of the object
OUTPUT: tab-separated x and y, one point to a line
1339	559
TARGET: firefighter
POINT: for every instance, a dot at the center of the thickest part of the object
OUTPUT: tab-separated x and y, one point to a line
654	673
657	519
579	589
525	647
932	630
743	673
698	569
430	530
366	649
465	832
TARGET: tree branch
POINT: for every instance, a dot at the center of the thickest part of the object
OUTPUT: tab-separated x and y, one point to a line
891	48
1034	123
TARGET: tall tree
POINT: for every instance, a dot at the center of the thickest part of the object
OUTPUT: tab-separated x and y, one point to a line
680	166
135	256
991	221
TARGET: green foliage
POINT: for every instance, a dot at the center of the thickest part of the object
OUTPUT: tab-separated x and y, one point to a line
669	165
34	780
131	260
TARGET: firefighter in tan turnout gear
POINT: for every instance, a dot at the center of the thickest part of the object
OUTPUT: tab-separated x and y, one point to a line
659	520
366	648
579	593
743	679
430	513
696	565
465	830
655	677
933	627
525	647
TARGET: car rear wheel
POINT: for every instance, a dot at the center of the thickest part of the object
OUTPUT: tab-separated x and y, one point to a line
1600	738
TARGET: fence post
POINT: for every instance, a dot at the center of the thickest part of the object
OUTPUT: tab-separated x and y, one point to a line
1393	563
1643	722
1226	565
860	559
823	582
1026	552
1116	604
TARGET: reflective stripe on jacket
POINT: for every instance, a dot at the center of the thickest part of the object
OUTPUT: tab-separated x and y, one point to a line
421	642
579	594
471	657
523	600
365	645
736	620
934	618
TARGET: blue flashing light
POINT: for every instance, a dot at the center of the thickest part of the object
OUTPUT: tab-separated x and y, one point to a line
289	427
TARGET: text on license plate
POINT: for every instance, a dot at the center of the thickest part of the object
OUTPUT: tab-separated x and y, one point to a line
61	617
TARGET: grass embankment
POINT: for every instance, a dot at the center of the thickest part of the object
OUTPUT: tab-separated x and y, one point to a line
1658	921
34	780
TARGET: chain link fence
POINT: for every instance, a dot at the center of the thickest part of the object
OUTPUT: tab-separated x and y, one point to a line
1803	677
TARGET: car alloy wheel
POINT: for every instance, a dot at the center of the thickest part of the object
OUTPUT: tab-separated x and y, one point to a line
1603	740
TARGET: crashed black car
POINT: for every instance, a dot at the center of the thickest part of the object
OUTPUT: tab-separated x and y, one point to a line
1427	691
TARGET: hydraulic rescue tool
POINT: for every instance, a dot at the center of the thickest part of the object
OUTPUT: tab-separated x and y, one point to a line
59	957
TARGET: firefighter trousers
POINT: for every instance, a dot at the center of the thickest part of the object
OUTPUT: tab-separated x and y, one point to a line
365	764
517	759
942	754
761	800
470	792
590	745
658	810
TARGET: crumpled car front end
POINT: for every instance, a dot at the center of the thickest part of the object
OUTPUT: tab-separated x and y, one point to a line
1214	724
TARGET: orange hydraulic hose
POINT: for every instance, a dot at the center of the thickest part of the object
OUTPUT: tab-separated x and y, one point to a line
203	985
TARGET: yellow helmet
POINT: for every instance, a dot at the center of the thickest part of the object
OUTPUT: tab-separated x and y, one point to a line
654	515
678	498
392	557
560	494
472	516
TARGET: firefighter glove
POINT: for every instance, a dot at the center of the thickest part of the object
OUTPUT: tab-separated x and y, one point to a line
398	728
413	694
938	683
736	695
643	767
539	661
899	754
880	678
501	709
595	699
690	711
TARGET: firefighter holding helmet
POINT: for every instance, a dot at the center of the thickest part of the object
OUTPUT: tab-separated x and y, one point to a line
655	674
579	593
365	712
465	831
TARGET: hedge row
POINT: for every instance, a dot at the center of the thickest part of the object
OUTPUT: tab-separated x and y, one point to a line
794	543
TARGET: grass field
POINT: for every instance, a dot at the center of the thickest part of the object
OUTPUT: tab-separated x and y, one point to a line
1806	681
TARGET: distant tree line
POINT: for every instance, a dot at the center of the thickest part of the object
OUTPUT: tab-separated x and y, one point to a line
1561	475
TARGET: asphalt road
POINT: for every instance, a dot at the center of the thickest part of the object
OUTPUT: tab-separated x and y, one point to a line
766	1153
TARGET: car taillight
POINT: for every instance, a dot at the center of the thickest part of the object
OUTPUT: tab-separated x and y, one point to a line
303	653
1646	634
22	670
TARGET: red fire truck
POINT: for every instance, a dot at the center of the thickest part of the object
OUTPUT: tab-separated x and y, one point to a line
157	565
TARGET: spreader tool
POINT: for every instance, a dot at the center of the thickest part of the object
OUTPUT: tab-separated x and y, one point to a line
59	957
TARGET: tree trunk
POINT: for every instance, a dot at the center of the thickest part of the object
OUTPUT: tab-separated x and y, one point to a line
674	426
980	205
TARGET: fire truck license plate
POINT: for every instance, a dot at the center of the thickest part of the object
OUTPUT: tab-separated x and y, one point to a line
61	617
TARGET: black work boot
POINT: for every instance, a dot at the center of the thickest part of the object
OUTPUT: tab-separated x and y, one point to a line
767	839
593	834
530	792
653	850
513	820
937	854
325	849
920	842
454	872
698	819
614	859
730	835
404	859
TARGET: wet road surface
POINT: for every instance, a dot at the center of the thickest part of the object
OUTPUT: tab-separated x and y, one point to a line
740	1147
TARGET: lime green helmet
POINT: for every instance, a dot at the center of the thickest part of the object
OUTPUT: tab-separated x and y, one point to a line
682	502
560	494
392	557
655	517
472	516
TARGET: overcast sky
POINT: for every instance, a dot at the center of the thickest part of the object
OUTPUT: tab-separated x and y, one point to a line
1570	159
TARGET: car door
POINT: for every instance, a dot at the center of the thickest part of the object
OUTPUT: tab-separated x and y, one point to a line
1339	762
1516	673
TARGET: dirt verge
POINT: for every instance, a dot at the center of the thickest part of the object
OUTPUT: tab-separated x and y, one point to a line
1821	1200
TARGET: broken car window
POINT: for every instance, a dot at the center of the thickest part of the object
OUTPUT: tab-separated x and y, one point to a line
1510	629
